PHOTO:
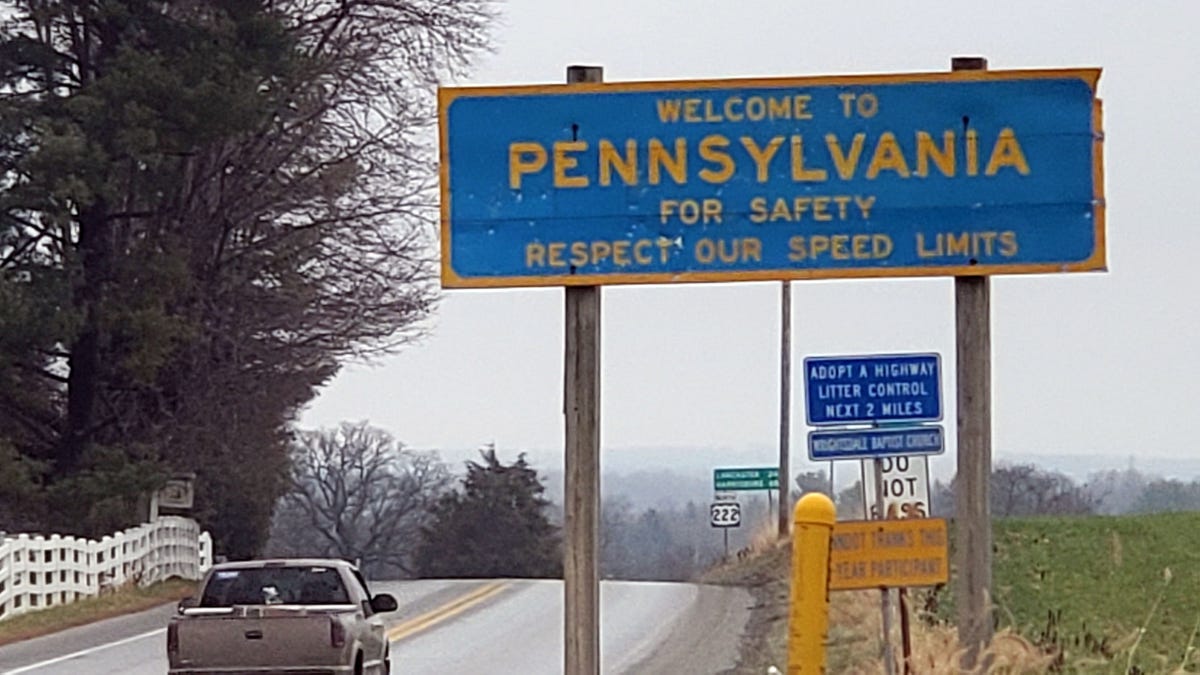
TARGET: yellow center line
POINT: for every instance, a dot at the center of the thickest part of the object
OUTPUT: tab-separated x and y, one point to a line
452	608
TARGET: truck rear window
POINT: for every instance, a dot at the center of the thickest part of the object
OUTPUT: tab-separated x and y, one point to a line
275	586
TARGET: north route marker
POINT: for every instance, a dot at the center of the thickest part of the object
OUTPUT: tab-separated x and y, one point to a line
888	554
922	174
844	390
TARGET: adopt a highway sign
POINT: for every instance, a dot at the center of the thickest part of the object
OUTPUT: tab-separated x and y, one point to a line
846	390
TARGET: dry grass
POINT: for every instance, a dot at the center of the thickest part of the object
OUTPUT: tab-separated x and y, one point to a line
855	641
855	618
764	538
127	600
1094	596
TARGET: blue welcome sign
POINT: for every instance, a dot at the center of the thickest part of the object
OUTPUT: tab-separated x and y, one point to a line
985	172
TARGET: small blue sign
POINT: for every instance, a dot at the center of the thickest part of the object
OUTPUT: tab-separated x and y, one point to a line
830	444
931	174
844	390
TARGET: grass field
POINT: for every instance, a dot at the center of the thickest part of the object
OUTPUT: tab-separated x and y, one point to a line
1101	595
1110	592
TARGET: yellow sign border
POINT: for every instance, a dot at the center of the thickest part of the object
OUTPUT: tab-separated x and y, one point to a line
1098	262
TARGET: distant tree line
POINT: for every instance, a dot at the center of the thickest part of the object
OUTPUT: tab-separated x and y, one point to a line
355	492
1024	489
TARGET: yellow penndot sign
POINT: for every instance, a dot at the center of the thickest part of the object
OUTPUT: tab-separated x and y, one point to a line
888	553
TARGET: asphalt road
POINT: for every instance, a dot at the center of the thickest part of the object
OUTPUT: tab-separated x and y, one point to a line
495	627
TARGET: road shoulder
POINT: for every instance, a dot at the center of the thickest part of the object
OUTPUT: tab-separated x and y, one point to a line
88	636
705	639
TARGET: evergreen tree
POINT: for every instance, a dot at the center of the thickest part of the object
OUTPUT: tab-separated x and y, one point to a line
495	526
205	207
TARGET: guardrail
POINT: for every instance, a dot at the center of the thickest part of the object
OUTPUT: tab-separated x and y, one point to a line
37	572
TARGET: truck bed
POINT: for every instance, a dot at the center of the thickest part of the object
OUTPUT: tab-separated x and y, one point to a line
275	638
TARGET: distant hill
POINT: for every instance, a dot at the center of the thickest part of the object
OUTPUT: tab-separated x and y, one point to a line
658	488
1079	467
667	476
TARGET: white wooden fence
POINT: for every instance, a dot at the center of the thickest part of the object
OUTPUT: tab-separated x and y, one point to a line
38	572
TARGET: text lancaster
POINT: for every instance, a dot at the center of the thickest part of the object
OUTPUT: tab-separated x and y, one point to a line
716	159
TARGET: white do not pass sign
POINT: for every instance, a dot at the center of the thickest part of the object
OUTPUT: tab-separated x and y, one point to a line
905	482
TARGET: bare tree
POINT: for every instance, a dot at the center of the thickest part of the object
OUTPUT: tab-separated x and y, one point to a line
357	494
1026	490
813	481
1118	490
850	501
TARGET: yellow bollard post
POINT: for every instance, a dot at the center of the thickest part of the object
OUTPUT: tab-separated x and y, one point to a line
808	623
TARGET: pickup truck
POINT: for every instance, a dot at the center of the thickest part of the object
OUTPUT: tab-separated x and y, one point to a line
295	616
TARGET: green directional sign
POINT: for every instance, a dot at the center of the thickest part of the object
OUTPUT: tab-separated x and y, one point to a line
766	478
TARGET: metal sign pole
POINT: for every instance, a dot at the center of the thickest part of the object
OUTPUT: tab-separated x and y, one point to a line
889	666
785	406
581	581
770	506
905	631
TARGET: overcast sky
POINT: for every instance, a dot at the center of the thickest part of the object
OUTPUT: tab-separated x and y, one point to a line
1084	364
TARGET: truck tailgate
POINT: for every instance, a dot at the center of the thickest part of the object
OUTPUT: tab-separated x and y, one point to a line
255	637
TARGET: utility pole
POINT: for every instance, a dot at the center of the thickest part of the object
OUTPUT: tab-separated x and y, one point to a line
785	407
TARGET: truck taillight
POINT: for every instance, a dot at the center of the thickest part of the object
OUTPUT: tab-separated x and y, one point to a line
337	633
173	638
